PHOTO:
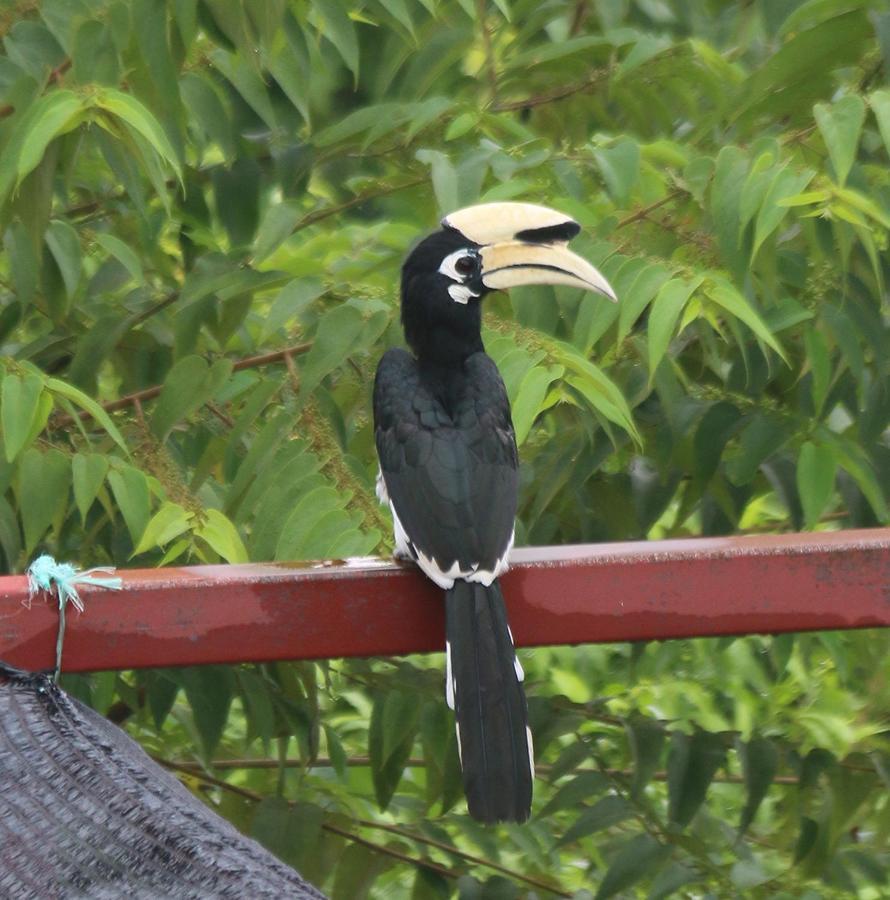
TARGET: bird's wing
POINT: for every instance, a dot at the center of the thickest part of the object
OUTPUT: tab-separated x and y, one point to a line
452	479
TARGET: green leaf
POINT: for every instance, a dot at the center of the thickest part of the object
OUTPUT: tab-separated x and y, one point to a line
785	184
759	439
619	166
79	398
692	764
200	97
646	739
334	341
130	489
236	190
43	483
840	124
222	536
187	387
723	293
23	266
122	253
20	408
161	690
137	116
209	692
461	125
638	858
596	387
340	31
852	458
64	245
529	402
816	468
579	788
258	706
819	359
51	115
386	770
269	824
357	868
400	715
644	287
880	106
170	521
444	177
88	471
605	813
760	760
663	317
670	879
290	302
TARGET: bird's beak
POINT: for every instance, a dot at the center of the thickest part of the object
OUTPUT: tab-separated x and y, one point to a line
522	243
513	263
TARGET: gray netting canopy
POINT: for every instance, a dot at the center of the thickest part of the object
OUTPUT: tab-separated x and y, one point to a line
85	813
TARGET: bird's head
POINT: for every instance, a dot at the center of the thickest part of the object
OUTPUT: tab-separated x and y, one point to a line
480	249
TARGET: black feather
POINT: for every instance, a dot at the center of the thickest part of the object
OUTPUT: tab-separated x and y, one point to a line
489	705
448	456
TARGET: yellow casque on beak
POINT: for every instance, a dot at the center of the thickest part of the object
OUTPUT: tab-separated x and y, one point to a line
522	243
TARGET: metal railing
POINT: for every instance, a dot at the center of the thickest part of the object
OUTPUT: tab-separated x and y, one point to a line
370	607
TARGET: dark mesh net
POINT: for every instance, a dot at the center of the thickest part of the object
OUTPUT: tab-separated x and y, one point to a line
85	813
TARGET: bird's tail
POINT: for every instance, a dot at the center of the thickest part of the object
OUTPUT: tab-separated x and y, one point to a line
484	688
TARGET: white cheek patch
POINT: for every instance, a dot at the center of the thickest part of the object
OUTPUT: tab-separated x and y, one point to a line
460	293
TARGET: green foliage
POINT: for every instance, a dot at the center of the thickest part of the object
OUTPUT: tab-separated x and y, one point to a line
204	205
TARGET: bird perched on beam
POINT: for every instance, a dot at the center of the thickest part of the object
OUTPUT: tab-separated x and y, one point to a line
449	469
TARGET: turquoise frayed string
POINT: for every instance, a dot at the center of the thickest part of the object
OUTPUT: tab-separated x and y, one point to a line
61	580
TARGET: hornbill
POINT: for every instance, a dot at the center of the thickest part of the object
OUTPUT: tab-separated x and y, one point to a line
449	469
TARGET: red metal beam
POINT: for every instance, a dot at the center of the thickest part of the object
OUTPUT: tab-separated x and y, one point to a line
368	607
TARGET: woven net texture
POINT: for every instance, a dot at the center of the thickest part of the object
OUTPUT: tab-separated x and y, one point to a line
85	813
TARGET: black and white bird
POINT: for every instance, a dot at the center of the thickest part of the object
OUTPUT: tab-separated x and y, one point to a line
449	469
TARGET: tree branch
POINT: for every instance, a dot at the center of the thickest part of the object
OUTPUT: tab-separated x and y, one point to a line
327	826
323	762
644	212
250	362
559	93
320	214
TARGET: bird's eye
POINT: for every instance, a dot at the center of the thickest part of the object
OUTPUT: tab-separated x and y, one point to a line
465	265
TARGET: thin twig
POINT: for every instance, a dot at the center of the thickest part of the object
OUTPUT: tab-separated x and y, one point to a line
559	93
644	212
319	214
395	854
469	857
250	362
56	75
327	826
490	69
323	762
223	416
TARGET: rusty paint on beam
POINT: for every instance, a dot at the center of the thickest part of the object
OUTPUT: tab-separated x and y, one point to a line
368	607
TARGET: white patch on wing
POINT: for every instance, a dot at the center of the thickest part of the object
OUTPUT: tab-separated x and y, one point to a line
460	753
403	545
501	565
382	493
531	751
517	667
445	578
449	678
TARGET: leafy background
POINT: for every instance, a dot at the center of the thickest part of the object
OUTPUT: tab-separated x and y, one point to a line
204	205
